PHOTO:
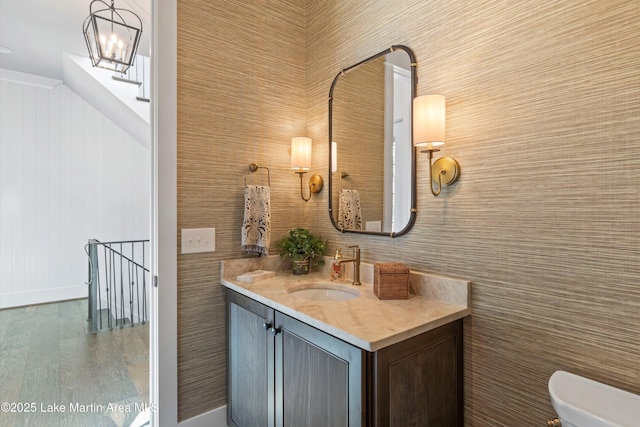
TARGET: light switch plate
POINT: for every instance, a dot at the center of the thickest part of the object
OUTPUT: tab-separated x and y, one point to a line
196	240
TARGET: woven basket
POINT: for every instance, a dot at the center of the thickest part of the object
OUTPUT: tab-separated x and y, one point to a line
391	280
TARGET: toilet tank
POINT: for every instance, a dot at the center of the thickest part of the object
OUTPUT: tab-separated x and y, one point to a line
582	402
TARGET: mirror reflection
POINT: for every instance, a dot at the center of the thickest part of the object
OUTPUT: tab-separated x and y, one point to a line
372	183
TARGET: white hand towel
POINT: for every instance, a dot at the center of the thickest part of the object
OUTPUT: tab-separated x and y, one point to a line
256	226
349	214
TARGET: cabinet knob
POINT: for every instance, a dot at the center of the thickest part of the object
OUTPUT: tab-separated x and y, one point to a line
266	326
275	331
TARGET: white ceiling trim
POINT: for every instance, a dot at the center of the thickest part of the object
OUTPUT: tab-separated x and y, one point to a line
28	79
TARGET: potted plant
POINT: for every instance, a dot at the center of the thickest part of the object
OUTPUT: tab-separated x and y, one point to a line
303	248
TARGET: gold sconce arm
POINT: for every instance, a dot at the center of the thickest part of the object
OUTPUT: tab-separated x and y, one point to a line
315	185
445	171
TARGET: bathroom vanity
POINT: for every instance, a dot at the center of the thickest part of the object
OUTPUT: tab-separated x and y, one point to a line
294	361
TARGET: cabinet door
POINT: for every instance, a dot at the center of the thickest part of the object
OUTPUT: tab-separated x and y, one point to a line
250	363
319	378
419	381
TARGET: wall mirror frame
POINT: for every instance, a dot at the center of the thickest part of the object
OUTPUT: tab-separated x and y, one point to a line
371	154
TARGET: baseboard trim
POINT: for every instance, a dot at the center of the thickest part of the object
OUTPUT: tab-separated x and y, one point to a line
42	296
214	418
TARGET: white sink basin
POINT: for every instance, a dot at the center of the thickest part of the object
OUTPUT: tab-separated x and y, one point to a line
324	291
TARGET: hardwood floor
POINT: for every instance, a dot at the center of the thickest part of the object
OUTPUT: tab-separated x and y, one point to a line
50	364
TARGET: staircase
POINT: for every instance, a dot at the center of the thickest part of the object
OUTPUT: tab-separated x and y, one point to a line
118	283
104	317
122	98
139	74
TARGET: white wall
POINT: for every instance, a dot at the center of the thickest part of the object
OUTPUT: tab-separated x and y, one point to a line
116	100
67	174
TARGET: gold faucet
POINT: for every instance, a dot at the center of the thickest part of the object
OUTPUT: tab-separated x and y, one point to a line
356	264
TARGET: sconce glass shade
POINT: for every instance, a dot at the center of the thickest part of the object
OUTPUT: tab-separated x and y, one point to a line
429	121
300	153
111	40
334	156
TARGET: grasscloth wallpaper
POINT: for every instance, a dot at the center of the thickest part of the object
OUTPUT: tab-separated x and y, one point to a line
543	114
241	87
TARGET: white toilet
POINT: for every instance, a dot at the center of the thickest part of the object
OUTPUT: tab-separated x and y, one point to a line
581	402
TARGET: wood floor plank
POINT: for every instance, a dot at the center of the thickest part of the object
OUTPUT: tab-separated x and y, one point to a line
113	381
139	374
126	410
17	335
130	346
71	326
41	385
47	357
12	369
6	318
44	350
77	385
75	353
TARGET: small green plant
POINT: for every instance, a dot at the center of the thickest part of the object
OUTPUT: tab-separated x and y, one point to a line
301	245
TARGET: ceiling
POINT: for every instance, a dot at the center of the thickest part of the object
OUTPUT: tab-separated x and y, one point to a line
38	31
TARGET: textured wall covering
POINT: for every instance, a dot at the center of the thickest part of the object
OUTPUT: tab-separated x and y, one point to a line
543	110
544	117
240	100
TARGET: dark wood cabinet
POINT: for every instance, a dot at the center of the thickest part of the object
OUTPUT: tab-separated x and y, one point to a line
419	381
283	372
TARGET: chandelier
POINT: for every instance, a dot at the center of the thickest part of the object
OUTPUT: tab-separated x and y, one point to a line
112	41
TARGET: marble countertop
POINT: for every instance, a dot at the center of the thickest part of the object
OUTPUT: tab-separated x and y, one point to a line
366	322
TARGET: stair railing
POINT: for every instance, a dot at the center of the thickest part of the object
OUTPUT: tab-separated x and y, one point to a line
139	74
117	283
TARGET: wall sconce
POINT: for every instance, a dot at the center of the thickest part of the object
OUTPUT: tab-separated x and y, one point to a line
429	132
301	163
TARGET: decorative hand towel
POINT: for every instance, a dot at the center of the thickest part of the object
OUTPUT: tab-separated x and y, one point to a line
349	215
256	226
